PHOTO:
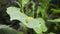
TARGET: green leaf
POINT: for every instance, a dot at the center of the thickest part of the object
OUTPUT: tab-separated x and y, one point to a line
55	11
42	27
16	14
24	2
43	8
4	29
55	20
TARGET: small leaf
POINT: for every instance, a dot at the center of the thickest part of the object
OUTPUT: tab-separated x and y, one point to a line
24	2
55	20
43	26
55	11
